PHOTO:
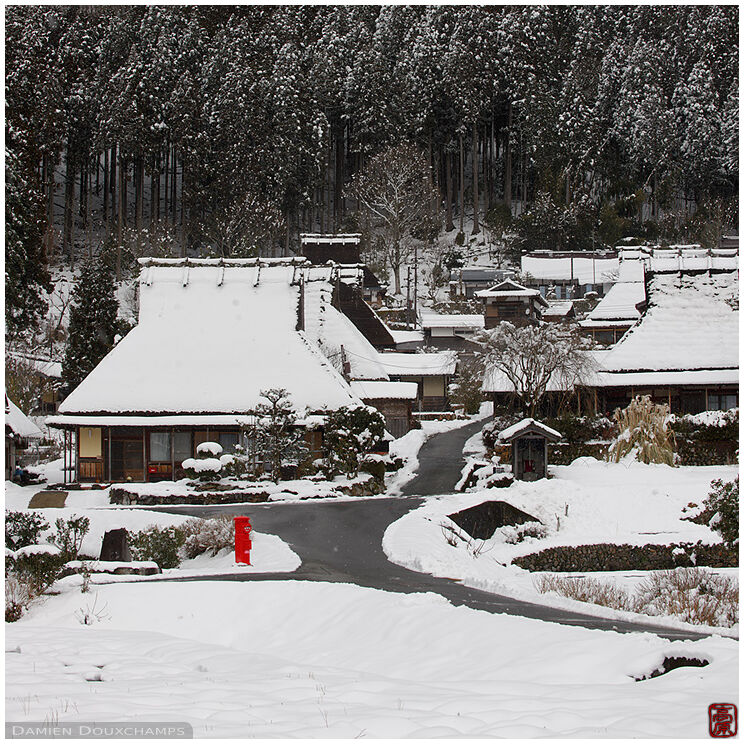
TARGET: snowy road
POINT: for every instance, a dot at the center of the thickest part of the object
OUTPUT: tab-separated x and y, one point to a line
342	542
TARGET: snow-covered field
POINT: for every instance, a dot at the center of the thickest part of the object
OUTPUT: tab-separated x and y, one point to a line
299	659
584	503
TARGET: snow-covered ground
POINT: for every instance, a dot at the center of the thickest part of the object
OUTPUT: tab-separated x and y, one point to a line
584	503
300	659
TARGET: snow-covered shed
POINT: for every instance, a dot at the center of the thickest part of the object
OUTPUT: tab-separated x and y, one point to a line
212	334
529	448
18	430
432	372
684	351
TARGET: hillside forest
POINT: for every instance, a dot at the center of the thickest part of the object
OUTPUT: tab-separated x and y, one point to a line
228	131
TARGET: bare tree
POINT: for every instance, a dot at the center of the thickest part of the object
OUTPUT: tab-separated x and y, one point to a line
396	192
532	357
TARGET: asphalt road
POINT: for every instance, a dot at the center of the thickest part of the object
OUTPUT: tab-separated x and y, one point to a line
342	542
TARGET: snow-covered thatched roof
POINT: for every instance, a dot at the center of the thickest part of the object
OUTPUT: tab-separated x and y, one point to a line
692	323
18	423
211	336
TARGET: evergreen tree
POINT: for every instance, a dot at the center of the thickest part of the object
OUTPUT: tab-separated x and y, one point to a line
93	323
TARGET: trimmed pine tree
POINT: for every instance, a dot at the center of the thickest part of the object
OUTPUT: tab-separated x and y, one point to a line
93	323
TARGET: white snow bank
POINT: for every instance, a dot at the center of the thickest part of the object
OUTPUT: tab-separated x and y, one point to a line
586	502
232	660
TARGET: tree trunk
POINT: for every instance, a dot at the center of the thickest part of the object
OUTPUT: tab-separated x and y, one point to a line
166	182
462	187
106	217
112	185
69	217
49	236
338	178
120	215
476	199
448	177
508	161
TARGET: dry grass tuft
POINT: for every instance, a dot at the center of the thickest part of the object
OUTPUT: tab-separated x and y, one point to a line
643	430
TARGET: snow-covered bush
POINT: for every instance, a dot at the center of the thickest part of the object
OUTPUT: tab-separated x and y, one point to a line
207	536
723	502
644	433
350	433
23	528
517	533
34	569
694	595
17	596
207	465
278	438
159	544
69	535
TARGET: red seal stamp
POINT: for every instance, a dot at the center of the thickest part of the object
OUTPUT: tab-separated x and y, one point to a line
722	719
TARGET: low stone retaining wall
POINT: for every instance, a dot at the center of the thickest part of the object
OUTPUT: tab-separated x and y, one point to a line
125	497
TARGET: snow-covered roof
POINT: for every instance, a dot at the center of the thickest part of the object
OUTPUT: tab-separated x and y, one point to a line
462	322
338	238
421	365
508	289
45	367
373	390
559	308
688	325
621	302
172	420
211	336
587	270
697	377
20	424
338	338
528	425
404	337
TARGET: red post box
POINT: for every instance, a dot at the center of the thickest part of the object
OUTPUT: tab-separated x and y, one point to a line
243	540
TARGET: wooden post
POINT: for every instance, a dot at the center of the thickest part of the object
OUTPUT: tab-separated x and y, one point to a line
144	455
109	455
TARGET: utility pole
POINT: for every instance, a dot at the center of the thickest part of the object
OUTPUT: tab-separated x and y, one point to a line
408	298
415	284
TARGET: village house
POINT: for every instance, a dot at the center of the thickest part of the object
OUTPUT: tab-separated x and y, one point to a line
432	372
453	332
569	274
212	334
511	301
684	351
343	249
466	281
19	429
621	307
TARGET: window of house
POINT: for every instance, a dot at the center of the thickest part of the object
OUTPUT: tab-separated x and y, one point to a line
160	446
721	401
228	440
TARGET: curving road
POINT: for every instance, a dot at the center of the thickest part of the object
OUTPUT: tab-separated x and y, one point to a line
342	542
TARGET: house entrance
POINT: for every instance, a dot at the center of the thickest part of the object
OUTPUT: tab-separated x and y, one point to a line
127	459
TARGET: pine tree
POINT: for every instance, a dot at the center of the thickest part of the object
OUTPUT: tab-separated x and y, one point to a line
93	323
